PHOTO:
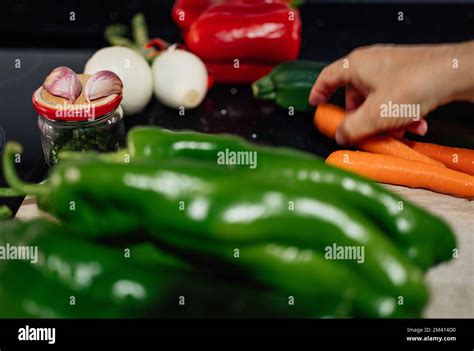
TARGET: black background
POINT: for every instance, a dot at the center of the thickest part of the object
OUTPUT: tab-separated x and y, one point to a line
321	334
41	34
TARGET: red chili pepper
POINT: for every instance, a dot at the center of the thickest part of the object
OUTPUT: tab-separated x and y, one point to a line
263	33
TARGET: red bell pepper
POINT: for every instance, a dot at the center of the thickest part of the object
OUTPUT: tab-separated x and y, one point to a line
266	33
246	73
185	12
240	41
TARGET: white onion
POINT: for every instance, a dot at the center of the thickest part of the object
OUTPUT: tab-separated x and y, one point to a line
179	78
133	70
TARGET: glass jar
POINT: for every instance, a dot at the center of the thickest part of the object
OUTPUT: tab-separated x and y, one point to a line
103	134
76	128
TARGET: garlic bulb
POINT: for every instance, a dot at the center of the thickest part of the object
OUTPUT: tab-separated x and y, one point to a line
101	84
63	82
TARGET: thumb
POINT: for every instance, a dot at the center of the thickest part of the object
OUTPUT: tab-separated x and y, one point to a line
359	123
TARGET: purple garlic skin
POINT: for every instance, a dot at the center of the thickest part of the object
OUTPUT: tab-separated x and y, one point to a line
63	82
101	84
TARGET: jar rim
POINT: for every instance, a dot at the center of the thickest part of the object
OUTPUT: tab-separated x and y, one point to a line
81	123
75	113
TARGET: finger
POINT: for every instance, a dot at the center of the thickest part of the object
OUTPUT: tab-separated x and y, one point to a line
332	77
359	123
353	98
420	127
398	133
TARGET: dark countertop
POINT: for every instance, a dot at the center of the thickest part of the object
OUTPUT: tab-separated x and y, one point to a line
329	31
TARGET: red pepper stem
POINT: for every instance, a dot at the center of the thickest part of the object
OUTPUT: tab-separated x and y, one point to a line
11	150
155	46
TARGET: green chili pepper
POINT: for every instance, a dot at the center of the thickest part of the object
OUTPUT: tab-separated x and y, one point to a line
256	218
75	278
197	210
426	239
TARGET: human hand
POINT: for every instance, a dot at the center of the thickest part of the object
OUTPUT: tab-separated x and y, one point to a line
392	88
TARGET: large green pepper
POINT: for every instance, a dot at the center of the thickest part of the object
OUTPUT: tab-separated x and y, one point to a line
79	279
426	239
290	83
218	218
254	218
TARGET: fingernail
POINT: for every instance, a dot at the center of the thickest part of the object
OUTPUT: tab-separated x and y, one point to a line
423	128
340	138
315	99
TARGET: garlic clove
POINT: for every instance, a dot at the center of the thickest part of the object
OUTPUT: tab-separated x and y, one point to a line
63	81
101	84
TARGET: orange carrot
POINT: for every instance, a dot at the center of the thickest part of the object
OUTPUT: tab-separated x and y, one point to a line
387	145
328	117
452	157
399	171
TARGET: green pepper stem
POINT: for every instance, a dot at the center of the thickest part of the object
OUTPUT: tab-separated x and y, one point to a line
9	171
264	88
5	212
9	192
120	156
